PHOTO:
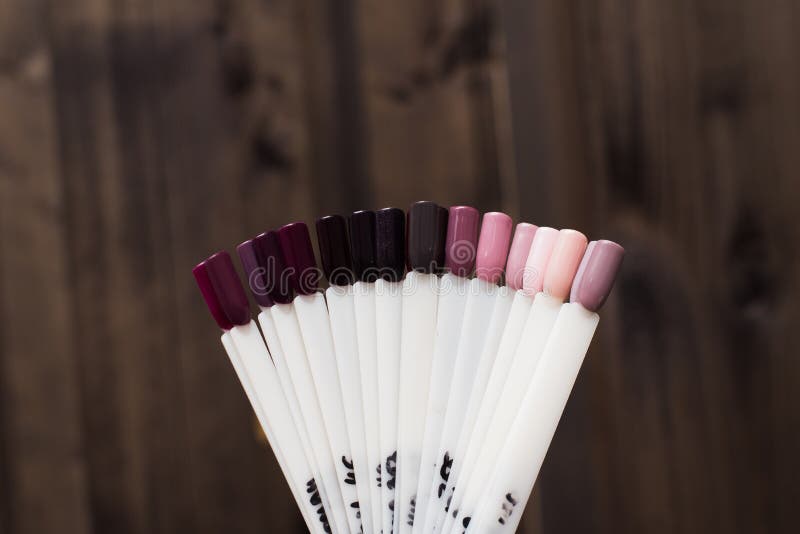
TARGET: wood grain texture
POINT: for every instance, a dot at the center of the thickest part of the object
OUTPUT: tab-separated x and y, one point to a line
139	136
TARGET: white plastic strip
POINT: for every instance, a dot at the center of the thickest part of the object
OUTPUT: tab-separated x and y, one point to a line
388	318
450	313
478	311
279	360
416	356
312	315
481	410
527	443
364	298
475	476
343	328
292	342
296	470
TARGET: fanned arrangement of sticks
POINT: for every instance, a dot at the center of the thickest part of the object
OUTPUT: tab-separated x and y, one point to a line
420	391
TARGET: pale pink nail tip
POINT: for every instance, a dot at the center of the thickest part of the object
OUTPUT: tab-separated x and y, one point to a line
541	248
564	261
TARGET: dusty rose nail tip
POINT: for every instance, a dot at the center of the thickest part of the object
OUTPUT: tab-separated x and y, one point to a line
228	288
296	245
254	273
200	273
541	249
598	272
564	261
493	246
462	240
518	254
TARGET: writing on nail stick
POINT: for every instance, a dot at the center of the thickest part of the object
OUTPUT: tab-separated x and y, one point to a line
316	503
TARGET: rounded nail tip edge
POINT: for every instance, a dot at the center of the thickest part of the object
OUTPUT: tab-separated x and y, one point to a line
601	273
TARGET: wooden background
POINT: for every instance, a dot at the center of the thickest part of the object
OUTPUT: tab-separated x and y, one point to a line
138	136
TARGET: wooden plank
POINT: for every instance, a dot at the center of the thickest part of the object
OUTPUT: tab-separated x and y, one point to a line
43	479
254	175
430	73
666	429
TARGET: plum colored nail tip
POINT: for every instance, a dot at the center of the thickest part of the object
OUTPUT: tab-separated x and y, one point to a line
363	245
200	272
493	246
334	250
427	234
518	254
390	243
597	273
462	240
270	257
254	273
296	245
228	288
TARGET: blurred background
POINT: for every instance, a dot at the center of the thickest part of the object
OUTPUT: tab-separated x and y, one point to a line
139	136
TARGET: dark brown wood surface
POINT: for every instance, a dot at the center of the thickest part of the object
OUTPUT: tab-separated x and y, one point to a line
138	136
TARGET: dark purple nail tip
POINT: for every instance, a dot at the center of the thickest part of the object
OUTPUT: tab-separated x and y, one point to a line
596	274
228	288
362	243
254	273
390	243
270	257
427	234
334	250
299	253
462	240
200	273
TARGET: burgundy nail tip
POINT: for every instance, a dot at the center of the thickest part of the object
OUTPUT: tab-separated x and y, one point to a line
255	273
597	273
200	272
462	240
334	250
363	245
295	242
427	235
270	257
228	288
390	243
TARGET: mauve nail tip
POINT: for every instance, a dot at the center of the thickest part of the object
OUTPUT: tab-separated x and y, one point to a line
602	268
200	273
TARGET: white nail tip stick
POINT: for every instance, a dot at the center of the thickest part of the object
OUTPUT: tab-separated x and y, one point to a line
460	252
561	265
497	355
252	364
521	457
427	228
